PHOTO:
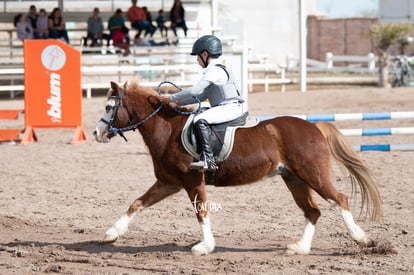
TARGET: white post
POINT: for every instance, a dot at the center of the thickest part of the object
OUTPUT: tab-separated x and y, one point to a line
245	74
283	77
89	92
329	61
267	84
288	63
371	62
302	47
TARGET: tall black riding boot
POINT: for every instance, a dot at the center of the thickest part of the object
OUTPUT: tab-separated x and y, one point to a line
206	162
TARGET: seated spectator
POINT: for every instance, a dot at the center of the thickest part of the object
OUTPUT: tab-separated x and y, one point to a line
95	30
24	29
31	18
119	32
57	26
42	31
138	18
161	23
177	17
149	19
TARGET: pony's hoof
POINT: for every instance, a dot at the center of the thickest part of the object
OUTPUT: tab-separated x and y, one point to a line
108	240
295	249
366	242
202	249
110	236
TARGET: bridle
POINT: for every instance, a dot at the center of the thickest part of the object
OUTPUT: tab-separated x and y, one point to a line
132	127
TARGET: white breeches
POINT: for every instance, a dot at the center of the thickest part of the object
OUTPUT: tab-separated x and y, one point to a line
221	113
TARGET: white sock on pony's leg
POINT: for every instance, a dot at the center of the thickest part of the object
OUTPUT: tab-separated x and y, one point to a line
304	245
353	229
208	243
119	228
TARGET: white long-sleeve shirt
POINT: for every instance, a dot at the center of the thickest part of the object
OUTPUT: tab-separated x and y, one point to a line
212	74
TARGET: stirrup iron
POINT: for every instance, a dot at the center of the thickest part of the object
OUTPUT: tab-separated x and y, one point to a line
203	165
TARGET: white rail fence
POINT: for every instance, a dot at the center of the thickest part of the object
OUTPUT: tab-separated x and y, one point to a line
105	70
98	68
273	74
337	63
184	74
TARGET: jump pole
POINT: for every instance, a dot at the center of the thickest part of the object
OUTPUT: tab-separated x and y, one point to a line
349	116
378	131
384	147
365	131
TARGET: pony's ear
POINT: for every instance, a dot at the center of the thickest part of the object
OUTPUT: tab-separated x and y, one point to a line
153	100
115	88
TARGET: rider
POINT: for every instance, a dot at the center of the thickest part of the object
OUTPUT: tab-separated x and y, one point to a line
218	86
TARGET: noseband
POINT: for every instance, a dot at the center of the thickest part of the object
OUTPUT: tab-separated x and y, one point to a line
120	131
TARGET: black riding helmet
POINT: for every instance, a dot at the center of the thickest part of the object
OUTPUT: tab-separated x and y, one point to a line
208	43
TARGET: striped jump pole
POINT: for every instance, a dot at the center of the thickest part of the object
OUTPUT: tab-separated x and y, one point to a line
350	116
384	147
378	131
366	131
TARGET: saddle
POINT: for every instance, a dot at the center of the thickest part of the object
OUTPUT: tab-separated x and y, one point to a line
221	139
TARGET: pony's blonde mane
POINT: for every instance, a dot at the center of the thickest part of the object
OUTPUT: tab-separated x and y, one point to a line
133	85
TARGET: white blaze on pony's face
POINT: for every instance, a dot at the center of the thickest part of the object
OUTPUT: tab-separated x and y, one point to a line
101	131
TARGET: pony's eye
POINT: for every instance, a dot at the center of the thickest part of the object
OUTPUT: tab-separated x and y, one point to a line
108	108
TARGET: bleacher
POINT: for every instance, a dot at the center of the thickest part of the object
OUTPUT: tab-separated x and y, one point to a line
150	64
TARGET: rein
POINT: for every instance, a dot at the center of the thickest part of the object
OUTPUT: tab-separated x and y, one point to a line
133	127
179	88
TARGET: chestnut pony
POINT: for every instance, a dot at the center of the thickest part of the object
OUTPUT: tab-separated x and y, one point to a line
299	151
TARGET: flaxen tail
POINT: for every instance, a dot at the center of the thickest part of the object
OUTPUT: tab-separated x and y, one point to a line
360	174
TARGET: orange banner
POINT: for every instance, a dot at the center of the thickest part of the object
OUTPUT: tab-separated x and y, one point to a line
52	79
